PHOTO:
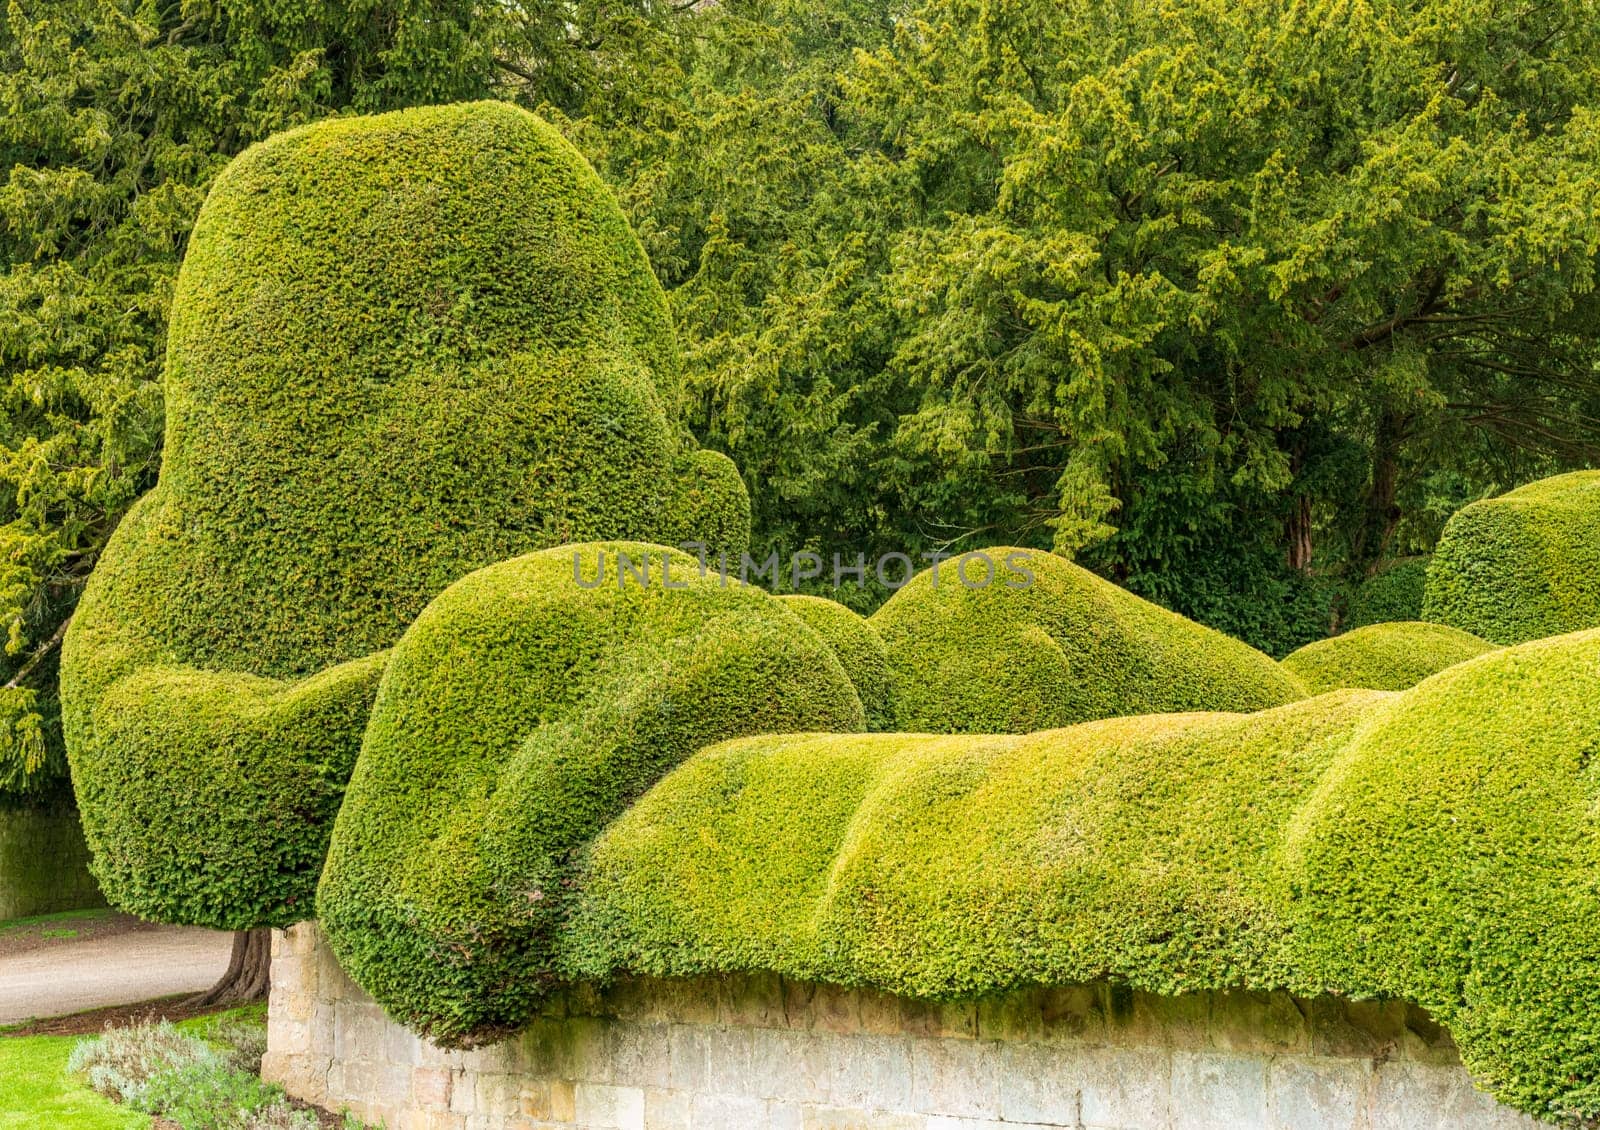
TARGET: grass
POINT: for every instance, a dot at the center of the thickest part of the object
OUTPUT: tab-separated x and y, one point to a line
36	1090
56	921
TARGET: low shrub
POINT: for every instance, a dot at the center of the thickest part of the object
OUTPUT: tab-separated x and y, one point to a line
1046	643
209	1083
1522	566
1383	657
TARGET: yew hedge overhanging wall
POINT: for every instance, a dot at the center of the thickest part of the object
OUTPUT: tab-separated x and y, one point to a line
1436	845
402	347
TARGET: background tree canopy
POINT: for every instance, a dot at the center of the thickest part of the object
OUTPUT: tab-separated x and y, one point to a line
1234	302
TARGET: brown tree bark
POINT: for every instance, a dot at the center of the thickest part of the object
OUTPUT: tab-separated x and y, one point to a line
1382	515
249	973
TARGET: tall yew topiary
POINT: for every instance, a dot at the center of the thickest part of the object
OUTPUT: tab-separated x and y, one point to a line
402	347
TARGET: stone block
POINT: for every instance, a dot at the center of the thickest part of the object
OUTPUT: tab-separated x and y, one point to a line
639	1054
792	1067
1424	1040
1305	1093
607	1107
1014	1016
753	1001
850	1118
940	1019
587	1045
728	1060
497	1094
430	1088
1127	1087
1218	1091
726	1112
956	1077
687	1051
1042	1083
1073	1014
1267	1023
1151	1021
547	1100
870	1072
667	1110
1362	1029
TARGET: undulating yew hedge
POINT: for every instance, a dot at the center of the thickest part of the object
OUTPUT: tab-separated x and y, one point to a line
402	347
860	649
518	715
1383	657
1436	844
1044	643
1521	566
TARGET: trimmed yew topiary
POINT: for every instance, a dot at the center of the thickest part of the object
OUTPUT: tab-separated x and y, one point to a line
1383	657
520	713
1436	845
860	649
1047	643
402	347
1521	566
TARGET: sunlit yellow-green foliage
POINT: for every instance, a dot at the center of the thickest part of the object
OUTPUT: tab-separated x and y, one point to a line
519	714
1521	566
1435	844
1029	641
1383	657
860	649
402	347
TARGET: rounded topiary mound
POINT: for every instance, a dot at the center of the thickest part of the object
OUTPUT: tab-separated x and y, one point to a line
1436	845
1046	643
520	713
860	649
1383	657
1522	566
402	347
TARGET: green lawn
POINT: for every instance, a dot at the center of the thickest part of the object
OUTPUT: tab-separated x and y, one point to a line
36	1092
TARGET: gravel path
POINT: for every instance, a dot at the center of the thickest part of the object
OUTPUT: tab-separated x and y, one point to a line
100	971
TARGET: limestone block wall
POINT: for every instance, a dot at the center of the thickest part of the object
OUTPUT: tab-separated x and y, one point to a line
750	1052
44	863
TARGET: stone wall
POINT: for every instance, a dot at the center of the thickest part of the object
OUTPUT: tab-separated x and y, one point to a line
44	864
743	1053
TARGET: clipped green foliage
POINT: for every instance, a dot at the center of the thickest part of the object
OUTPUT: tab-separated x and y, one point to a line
1383	657
519	714
1390	596
1046	643
402	347
860	649
1435	844
1521	566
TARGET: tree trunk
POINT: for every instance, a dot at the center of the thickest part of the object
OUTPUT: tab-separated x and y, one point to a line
249	974
1382	515
1299	534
